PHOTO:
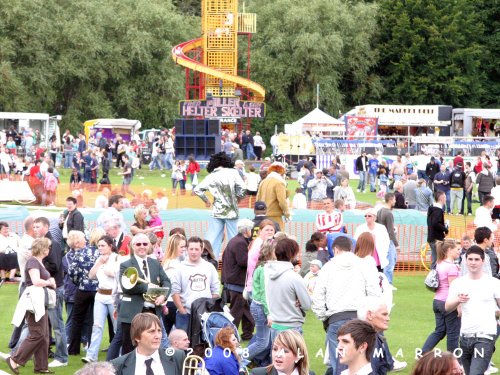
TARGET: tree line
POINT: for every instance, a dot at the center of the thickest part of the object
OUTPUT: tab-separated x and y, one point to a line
91	59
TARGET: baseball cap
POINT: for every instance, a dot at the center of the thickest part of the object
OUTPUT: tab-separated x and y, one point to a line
260	206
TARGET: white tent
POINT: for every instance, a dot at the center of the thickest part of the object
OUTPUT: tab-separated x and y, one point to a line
319	121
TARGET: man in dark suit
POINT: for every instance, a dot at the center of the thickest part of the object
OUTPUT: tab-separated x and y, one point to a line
146	358
133	302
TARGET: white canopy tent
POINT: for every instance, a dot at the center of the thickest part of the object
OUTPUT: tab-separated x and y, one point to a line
317	121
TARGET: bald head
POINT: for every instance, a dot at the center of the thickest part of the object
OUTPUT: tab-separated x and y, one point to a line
178	339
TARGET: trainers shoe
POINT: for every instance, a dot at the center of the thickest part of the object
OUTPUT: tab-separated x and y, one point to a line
4	356
398	366
87	360
1	282
393	287
491	370
56	363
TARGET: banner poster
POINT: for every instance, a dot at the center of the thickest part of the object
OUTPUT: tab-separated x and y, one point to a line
361	127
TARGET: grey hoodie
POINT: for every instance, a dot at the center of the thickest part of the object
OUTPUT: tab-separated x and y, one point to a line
283	288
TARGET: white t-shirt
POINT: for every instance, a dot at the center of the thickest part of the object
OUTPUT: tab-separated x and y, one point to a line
483	219
478	314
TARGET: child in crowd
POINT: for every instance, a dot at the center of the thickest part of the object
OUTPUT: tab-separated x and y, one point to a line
299	200
155	221
382	177
50	186
161	201
312	276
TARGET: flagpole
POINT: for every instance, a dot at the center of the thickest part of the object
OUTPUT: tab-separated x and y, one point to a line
317	95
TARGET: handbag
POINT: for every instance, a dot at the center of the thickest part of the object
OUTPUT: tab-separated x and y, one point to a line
432	280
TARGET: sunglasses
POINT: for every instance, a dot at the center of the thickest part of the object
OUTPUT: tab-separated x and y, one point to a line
369	216
144	244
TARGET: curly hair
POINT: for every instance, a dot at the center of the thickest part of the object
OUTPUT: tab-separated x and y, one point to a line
219	160
223	339
277	167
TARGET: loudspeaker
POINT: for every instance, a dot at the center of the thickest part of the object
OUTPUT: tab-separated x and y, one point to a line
199	127
189	127
213	127
179	126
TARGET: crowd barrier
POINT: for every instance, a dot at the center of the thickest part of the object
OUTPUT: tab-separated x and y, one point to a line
411	227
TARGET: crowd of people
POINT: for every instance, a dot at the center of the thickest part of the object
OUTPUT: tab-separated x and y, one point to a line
120	274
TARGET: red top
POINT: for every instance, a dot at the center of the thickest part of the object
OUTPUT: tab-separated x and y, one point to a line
193	168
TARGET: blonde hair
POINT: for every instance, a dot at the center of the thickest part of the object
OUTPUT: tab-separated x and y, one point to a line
73	237
442	248
172	246
138	210
39	245
293	341
96	235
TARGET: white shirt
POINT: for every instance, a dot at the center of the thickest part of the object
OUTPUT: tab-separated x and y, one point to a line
483	219
24	254
382	240
141	265
478	313
253	180
365	370
140	365
329	222
106	281
299	201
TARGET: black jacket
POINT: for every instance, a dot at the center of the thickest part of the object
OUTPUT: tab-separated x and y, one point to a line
269	371
431	170
53	261
436	230
75	220
234	261
359	163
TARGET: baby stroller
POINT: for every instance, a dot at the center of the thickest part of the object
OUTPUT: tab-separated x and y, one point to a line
208	316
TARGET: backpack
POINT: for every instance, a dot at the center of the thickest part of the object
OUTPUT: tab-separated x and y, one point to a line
50	182
456	179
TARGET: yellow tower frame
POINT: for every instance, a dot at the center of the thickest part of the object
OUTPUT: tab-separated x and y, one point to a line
220	44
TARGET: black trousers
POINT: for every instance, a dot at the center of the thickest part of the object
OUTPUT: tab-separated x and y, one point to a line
83	302
240	310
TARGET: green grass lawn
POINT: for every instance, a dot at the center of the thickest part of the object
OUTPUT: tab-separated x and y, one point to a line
411	321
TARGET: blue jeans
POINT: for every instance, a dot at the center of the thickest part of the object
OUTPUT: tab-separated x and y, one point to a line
477	353
69	317
250	153
215	233
168	160
362	181
447	324
331	339
182	321
57	323
116	343
448	201
164	337
373	178
432	245
262	331
391	257
101	312
421	174
155	163
68	159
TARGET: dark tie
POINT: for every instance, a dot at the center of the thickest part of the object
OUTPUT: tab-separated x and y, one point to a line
145	268
149	370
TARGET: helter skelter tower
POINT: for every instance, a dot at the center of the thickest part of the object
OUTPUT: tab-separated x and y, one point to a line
211	64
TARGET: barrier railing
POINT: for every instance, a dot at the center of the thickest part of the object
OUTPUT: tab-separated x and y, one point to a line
414	255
